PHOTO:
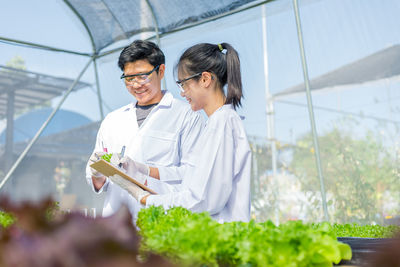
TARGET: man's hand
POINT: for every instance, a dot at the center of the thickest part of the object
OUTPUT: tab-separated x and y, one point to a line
137	192
94	158
135	169
98	179
116	159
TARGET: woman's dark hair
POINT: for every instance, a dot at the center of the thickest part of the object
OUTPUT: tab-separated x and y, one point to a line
140	49
211	58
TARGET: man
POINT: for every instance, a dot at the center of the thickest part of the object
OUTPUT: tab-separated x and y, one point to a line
155	130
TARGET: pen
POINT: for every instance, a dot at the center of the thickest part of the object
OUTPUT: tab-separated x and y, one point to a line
122	151
122	155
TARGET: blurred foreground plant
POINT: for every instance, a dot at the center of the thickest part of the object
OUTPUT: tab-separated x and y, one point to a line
6	219
42	238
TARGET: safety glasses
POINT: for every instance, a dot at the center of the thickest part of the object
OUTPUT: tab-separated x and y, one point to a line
140	78
180	82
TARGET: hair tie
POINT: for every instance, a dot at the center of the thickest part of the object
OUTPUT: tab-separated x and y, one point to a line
220	47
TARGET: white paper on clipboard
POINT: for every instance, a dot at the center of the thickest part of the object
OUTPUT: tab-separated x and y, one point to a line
108	169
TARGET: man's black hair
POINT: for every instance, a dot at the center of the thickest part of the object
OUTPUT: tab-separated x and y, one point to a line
140	49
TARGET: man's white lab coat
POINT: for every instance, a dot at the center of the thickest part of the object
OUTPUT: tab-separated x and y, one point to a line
164	140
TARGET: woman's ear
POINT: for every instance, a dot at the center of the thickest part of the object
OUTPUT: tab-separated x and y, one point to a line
207	78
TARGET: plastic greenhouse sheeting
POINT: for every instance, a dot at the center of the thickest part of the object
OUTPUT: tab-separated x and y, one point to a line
379	65
109	21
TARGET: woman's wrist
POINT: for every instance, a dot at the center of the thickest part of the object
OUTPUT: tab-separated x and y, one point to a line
143	200
154	173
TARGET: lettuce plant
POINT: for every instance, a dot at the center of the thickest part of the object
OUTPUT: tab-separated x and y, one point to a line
370	231
107	157
195	239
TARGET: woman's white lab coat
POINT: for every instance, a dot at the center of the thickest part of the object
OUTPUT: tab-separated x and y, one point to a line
164	139
220	180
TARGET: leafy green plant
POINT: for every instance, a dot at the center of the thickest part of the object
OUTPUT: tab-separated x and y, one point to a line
107	157
6	219
370	231
360	173
195	239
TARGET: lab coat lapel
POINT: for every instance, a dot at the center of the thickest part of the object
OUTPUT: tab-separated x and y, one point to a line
166	102
135	146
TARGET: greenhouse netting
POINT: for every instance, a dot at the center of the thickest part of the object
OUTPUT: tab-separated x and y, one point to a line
321	86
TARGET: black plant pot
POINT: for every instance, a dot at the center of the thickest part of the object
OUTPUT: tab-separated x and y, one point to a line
362	248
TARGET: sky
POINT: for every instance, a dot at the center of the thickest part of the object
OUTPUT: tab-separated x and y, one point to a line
335	33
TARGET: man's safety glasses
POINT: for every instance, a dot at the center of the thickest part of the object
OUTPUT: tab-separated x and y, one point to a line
180	82
140	78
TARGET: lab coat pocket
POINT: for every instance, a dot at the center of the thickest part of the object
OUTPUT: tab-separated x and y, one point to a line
160	148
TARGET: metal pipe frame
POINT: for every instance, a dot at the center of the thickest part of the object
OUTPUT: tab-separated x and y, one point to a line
269	109
43	47
157	34
310	109
98	89
8	156
94	55
84	25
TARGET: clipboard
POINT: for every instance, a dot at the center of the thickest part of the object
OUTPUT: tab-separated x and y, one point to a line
108	169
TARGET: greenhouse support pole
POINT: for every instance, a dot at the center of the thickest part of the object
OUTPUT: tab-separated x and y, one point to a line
157	35
96	73
39	132
8	151
270	115
255	168
310	109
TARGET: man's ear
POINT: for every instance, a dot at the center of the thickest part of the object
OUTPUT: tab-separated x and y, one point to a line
161	71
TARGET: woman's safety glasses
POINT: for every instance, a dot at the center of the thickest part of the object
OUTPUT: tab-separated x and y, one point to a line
180	82
140	78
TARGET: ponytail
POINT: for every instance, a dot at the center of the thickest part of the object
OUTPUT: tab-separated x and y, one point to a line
234	79
211	58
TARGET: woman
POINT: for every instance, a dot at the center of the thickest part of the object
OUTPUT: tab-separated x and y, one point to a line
219	182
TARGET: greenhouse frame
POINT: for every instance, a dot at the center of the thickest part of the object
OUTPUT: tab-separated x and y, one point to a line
321	106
